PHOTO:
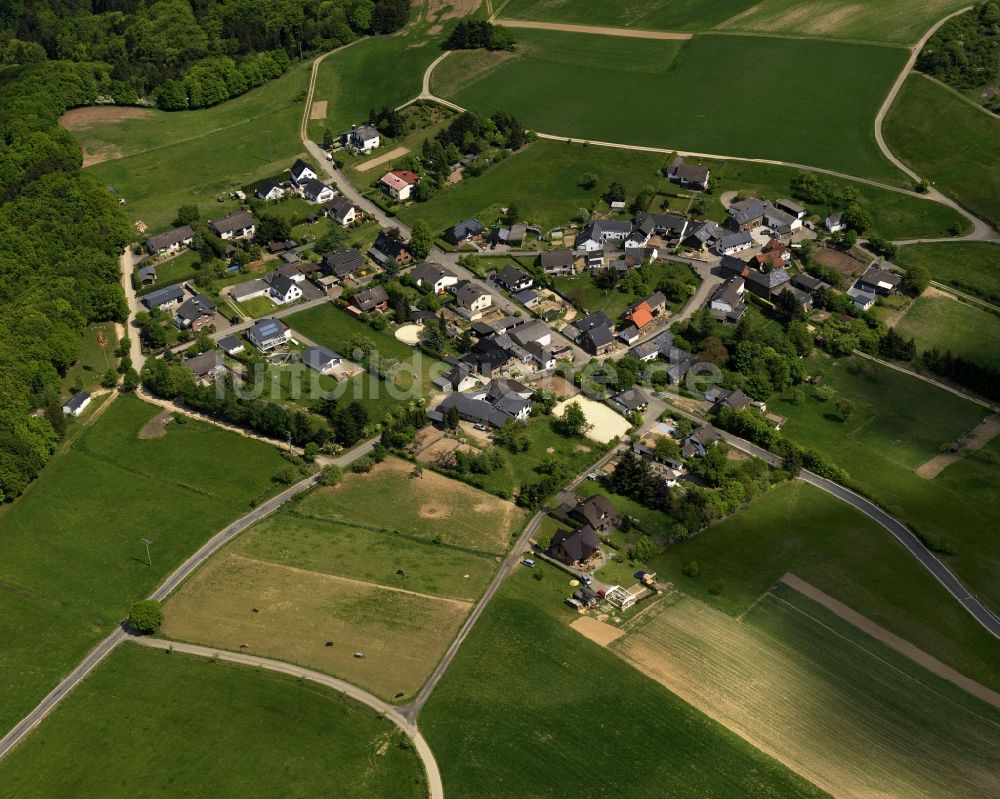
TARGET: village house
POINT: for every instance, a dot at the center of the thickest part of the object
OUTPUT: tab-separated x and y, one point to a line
597	233
808	283
269	190
631	400
575	548
236	225
698	441
702	235
389	247
362	139
195	314
782	222
514	279
76	404
341	210
791	207
556	262
146	275
727	303
321	360
371	299
267	334
465	231
284	290
206	367
746	215
171	241
399	183
164	298
593	333
302	173
597	511
835	222
342	264
767	285
732	243
499	402
727	398
462	377
688	174
433	277
774	254
230	345
876	280
471	298
316	191
248	290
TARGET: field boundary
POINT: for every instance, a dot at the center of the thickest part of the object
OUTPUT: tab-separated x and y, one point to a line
891	640
597	30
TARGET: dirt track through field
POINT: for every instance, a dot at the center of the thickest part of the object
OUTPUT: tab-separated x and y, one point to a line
977	438
629	33
374	162
902	646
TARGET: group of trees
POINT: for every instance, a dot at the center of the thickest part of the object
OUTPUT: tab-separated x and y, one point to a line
188	53
965	51
60	235
479	34
979	377
389	121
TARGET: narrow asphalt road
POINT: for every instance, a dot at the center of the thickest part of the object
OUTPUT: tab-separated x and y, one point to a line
210	547
423	749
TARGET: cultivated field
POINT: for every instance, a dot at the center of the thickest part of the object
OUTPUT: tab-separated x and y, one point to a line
937	319
430	507
73	560
948	141
839	708
835	132
605	423
193	727
970	266
508	716
893	21
291	614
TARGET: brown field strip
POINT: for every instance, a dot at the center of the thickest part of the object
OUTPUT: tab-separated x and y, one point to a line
597	631
833	706
318	110
973	441
290	614
628	33
371	163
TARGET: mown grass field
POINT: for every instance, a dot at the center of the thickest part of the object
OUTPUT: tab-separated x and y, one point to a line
430	507
891	21
938	320
174	270
531	708
582	292
899	422
188	157
146	723
833	123
95	357
949	142
73	558
839	708
972	266
801	529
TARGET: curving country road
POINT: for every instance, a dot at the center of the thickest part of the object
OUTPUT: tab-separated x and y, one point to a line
434	784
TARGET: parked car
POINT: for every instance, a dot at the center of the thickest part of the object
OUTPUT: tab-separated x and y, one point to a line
480	427
529	563
586	579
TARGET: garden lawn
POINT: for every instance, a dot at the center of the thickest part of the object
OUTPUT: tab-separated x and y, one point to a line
174	270
582	292
257	307
190	157
95	359
798	528
196	727
508	716
899	422
73	557
972	266
948	141
544	180
939	320
833	123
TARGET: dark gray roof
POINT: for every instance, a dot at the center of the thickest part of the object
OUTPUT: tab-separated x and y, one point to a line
556	259
229	343
705	232
237	220
201	365
429	272
526	296
318	357
170	238
577	545
163	296
465	228
76	400
770	280
735	240
281	284
246	288
596	319
632	399
267	328
510	275
873	276
314	187
807	282
468	292
194	308
729	292
299	167
369	298
746	210
265	186
338	207
599	336
342	262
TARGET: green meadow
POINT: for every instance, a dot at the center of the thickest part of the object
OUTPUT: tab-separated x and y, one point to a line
949	324
972	266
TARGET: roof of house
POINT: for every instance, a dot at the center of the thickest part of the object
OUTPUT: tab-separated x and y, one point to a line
770	280
791	206
641	315
526	296
314	187
281	284
468	293
734	398
230	344
195	307
319	358
170	238
596	509
661	344
632	399
163	296
267	328
600	228
705	231
237	220
835	218
730	291
510	275
745	211
247	288
265	187
577	544
690	172
467	227
628	334
206	363
399	179
339	207
366	131
599	336
77	400
389	245
874	276
473	408
735	240
147	271
430	272
807	282
596	319
556	258
776	215
342	262
299	167
371	297
656	300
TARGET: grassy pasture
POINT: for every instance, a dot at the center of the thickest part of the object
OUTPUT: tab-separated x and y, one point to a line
582	292
94	359
937	319
188	157
73	559
402	634
971	266
193	727
833	124
530	707
428	507
680	15
801	529
836	706
949	142
898	423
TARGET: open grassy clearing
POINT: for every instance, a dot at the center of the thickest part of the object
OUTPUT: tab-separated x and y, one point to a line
377	556
174	270
949	142
898	423
97	355
430	507
847	713
189	157
801	529
194	727
891	21
971	266
583	293
73	558
263	608
833	124
529	707
937	319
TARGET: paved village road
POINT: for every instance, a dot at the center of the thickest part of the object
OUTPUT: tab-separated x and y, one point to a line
210	547
423	749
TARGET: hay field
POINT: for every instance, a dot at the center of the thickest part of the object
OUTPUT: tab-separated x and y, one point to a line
430	507
606	423
290	614
835	706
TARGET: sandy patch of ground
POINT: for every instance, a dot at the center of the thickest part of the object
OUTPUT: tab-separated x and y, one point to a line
904	647
82	118
558	385
977	438
345	370
156	427
597	631
371	163
583	448
452	9
409	334
727	197
630	33
455	176
606	423
318	110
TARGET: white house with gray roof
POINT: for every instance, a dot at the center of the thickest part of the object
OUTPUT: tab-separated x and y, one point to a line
267	334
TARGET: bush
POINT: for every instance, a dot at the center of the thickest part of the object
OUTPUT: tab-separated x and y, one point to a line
331	475
691	569
716	587
145	616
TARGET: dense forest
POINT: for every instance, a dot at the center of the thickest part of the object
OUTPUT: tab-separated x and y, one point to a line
60	234
186	53
965	52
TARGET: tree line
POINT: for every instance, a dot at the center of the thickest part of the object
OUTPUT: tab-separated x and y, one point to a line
479	34
965	51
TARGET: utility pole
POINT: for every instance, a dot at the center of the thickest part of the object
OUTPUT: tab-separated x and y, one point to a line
149	560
